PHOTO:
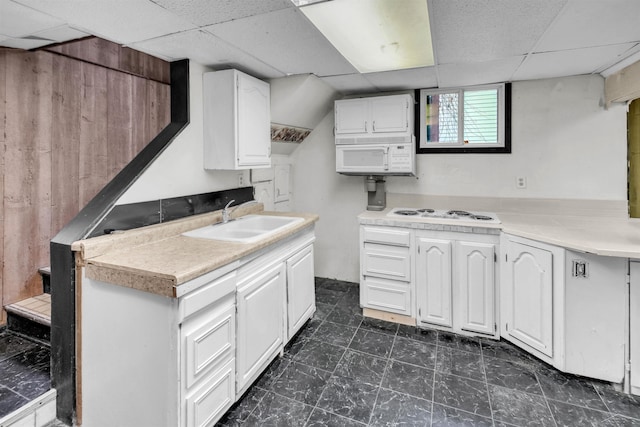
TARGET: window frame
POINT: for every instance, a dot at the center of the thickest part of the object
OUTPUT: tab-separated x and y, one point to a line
504	121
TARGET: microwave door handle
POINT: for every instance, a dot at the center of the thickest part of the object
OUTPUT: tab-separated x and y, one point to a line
385	158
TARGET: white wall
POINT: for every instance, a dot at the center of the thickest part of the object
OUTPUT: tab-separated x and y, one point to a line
563	141
178	171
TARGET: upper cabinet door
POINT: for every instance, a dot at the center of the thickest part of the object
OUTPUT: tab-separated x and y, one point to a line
237	115
475	265
352	116
529	289
254	141
390	114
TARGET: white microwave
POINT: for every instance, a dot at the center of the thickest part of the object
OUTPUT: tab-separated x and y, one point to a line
376	159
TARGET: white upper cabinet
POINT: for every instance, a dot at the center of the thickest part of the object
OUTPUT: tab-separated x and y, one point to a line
236	121
376	117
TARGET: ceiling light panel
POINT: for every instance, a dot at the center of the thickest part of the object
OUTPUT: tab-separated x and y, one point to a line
376	35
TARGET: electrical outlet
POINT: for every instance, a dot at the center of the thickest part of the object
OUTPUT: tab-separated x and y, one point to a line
240	179
521	182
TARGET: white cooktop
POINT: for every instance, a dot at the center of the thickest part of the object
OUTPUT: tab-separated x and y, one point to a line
454	214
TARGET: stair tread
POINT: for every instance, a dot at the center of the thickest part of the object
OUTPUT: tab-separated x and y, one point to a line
37	309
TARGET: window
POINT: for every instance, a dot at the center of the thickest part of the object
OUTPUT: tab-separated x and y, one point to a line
472	119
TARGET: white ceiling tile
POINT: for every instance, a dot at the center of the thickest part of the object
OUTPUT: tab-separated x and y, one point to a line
120	21
348	84
414	78
482	30
24	43
208	12
468	74
61	34
285	39
17	20
205	49
585	23
569	62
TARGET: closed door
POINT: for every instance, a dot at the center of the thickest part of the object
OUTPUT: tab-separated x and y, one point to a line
529	286
301	295
390	114
281	183
351	116
254	134
475	267
433	281
260	302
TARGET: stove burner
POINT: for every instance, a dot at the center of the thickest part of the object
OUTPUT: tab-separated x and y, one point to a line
459	213
405	212
426	210
481	217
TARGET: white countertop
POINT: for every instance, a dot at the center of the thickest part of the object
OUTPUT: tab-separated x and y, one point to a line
607	236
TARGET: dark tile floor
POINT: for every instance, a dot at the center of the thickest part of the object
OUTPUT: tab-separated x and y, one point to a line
24	371
343	370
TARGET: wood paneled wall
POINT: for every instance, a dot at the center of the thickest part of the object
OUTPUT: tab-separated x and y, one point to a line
66	128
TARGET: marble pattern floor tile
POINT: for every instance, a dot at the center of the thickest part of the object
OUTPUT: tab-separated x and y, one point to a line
343	370
24	371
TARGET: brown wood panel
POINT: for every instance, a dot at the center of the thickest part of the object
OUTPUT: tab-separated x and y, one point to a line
27	201
159	103
65	144
140	133
93	169
119	121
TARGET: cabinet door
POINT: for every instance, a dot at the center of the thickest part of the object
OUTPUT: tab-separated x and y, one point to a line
529	286
260	320
351	116
634	311
390	114
433	281
253	122
301	294
209	403
475	267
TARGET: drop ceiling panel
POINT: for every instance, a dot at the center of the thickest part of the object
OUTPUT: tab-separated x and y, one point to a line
482	30
413	78
501	70
17	20
350	84
60	34
585	23
286	40
569	62
205	49
121	21
24	43
208	12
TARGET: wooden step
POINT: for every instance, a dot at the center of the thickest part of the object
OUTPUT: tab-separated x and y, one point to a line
45	273
31	317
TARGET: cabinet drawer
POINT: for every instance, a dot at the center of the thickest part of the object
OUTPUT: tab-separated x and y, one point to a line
208	344
391	262
207	294
389	236
207	404
387	295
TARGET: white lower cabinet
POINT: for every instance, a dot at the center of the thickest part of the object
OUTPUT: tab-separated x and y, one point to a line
433	281
184	361
386	269
301	294
634	327
260	318
528	297
456	281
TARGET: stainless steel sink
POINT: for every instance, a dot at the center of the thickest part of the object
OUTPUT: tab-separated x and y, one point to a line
246	229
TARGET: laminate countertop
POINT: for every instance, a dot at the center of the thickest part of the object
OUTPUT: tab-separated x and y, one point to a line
158	259
606	236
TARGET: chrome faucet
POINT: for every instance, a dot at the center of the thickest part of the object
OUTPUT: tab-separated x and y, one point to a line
226	213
